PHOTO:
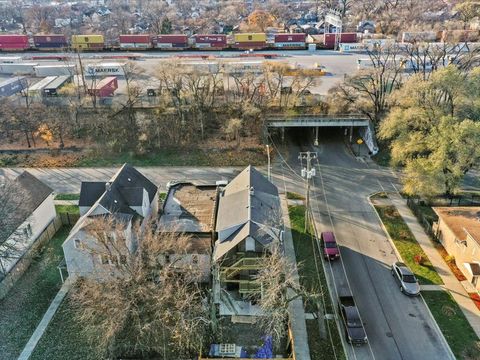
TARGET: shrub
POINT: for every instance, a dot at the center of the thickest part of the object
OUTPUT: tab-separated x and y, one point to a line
419	259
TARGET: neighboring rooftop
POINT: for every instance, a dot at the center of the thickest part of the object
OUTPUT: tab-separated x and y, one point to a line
189	208
28	193
461	220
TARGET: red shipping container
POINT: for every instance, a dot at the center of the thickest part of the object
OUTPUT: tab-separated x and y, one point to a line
46	39
14	42
105	87
172	39
131	39
348	37
290	38
250	45
212	39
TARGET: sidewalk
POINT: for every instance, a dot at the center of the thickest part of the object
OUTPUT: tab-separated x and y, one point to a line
295	308
456	289
47	317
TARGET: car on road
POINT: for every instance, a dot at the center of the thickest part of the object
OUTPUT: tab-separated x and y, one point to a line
354	330
330	247
406	279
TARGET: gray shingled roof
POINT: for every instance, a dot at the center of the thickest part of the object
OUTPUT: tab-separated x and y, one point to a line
31	194
248	206
90	192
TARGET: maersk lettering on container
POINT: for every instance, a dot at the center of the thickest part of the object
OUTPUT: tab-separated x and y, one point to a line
105	69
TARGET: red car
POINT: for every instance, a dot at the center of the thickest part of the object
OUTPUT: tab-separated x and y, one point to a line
330	248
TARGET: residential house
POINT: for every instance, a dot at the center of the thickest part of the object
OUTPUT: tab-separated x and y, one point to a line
248	224
129	198
189	209
30	207
458	229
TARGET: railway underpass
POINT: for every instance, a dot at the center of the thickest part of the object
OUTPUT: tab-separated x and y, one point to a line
356	126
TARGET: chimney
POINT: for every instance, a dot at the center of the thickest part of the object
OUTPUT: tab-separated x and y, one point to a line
108	186
252	191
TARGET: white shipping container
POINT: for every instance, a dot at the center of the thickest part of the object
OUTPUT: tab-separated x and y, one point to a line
105	69
10	59
38	86
18	68
134	46
352	47
54	70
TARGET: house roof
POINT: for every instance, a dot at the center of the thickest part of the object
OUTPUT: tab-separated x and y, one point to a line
90	192
28	194
248	207
461	220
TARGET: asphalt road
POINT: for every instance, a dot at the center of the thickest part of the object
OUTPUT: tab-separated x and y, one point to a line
398	327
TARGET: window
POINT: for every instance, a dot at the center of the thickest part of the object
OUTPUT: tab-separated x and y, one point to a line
104	259
122	259
250	37
77	243
27	230
167	258
195	259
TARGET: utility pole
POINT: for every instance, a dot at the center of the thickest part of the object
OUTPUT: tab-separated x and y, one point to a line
307	172
269	177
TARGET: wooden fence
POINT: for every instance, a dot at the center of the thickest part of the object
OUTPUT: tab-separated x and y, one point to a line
26	258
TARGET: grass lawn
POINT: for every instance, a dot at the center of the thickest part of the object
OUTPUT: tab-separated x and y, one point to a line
71	209
294	196
455	327
407	245
64	338
23	307
67	196
313	282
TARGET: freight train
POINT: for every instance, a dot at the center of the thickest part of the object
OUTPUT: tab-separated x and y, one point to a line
96	42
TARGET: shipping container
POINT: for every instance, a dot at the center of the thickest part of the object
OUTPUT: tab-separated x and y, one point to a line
54	70
216	41
87	42
104	69
18	68
420	36
285	38
171	41
455	36
209	67
356	47
37	88
250	38
344	38
136	41
14	42
12	86
52	88
10	59
105	87
53	41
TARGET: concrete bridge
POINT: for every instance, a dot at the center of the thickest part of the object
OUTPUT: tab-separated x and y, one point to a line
364	124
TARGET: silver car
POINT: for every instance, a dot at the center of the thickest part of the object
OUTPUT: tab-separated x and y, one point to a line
407	281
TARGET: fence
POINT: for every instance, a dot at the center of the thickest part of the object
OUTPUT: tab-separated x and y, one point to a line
26	258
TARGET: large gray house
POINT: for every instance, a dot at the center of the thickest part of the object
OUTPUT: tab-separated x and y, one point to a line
129	197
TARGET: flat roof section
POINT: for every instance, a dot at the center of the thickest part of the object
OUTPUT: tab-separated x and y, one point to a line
189	208
461	220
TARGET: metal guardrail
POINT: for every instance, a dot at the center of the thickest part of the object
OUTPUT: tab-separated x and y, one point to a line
316	116
317	120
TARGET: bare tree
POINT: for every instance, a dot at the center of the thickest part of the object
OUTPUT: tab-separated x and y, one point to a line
150	302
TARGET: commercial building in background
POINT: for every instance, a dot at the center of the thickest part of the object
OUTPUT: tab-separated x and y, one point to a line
37	88
250	40
46	42
14	42
52	88
12	86
210	41
18	68
54	70
172	41
105	87
136	42
88	42
289	40
105	69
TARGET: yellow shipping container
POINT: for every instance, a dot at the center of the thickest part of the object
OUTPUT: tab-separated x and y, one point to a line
250	37
87	39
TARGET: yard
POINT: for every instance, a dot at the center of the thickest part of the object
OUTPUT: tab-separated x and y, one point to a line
407	245
314	281
455	327
67	209
23	307
67	197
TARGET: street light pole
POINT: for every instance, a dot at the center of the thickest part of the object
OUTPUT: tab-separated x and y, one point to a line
307	173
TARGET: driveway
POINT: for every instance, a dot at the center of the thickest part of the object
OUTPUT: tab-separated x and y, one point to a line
398	327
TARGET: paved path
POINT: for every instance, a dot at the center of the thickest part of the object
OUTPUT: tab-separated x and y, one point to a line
47	317
472	313
295	308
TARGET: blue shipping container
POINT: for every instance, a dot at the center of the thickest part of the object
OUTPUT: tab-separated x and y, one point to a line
13	86
51	45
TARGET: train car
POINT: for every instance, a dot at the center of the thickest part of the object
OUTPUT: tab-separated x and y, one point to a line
105	87
50	42
14	42
171	41
136	42
88	42
37	88
289	41
18	68
421	36
52	88
344	38
210	41
250	40
10	59
13	86
54	70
